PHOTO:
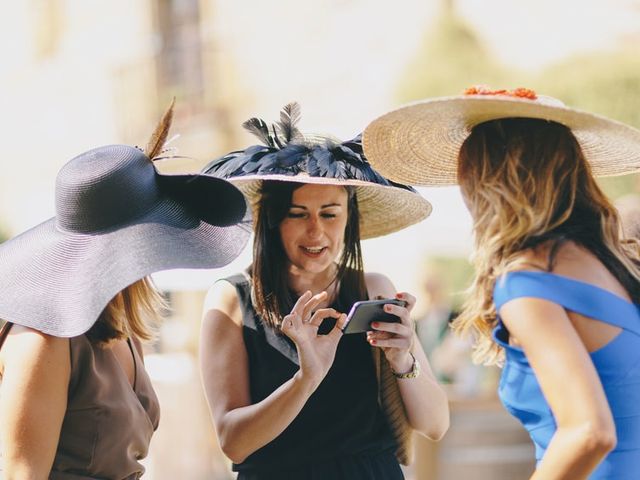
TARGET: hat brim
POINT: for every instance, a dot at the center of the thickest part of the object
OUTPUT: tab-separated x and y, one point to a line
59	282
383	209
418	144
211	199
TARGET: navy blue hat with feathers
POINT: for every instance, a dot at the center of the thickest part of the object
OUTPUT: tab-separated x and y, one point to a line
289	156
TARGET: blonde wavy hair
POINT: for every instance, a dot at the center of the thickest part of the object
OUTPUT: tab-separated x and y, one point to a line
133	312
526	182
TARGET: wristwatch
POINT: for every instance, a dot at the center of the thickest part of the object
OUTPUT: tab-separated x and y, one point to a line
413	373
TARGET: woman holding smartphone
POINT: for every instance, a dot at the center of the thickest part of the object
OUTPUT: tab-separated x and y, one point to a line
557	289
76	402
290	395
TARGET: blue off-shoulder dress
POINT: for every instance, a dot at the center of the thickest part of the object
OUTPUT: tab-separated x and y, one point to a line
617	364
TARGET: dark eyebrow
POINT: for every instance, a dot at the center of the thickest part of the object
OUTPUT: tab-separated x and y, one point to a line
328	205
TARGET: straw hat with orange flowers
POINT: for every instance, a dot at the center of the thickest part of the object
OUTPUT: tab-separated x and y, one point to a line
418	144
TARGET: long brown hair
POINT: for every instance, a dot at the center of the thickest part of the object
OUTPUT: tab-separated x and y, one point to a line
272	297
133	312
526	182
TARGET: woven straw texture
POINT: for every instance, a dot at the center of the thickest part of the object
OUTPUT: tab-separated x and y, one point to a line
418	144
383	209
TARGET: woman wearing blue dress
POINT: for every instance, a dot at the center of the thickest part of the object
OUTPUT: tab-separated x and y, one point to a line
556	293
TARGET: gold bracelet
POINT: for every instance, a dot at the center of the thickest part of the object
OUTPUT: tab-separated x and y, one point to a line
413	373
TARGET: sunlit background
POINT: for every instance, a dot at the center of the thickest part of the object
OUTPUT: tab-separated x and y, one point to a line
77	74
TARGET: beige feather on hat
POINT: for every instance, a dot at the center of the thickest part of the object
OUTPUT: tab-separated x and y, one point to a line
117	220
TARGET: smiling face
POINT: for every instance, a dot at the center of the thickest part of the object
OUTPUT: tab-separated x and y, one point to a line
306	238
312	230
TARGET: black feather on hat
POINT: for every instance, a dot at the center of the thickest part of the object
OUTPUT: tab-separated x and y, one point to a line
288	155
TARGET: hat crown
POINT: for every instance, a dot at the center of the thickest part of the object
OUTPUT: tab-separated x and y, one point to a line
104	188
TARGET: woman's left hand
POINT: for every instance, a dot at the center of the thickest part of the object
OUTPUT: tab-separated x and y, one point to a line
396	339
425	403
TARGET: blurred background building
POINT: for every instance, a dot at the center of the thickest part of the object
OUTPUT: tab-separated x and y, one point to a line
76	74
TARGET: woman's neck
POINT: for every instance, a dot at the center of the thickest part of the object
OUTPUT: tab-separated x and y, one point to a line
301	281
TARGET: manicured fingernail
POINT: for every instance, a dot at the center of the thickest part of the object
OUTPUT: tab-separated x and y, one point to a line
372	341
374	324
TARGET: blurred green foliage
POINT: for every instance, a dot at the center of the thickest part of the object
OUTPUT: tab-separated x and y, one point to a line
456	275
452	58
604	83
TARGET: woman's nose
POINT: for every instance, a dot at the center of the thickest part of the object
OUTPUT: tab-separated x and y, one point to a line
314	227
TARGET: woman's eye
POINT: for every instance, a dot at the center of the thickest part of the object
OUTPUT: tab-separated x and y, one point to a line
329	215
295	215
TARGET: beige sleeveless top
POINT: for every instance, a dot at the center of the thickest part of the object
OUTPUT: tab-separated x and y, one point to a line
108	423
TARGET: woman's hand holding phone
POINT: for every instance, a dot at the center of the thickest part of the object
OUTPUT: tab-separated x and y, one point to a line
364	312
395	338
315	352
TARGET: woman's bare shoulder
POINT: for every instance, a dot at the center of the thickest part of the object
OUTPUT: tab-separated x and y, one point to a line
574	261
28	348
379	285
222	298
551	257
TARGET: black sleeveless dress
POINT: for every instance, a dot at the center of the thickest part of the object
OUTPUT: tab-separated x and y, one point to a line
341	432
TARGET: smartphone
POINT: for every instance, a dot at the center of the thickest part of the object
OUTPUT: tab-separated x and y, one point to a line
367	311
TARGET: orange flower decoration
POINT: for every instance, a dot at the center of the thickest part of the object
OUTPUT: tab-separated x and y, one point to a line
517	92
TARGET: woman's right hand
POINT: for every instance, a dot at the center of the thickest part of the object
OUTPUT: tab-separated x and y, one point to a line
243	425
315	352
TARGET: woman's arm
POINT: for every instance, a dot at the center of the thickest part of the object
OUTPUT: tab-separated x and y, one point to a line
33	401
424	400
571	386
243	427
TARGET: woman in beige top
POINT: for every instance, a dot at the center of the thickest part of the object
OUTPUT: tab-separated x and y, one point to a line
80	407
76	402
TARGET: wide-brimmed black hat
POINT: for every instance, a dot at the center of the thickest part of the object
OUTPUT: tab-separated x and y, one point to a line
117	220
289	156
